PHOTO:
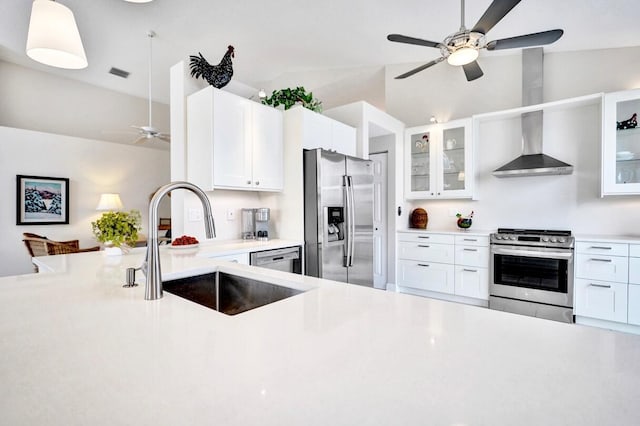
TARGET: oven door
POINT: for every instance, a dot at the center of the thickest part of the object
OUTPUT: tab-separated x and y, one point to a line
534	274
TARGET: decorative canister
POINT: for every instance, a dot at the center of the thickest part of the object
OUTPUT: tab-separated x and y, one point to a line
419	218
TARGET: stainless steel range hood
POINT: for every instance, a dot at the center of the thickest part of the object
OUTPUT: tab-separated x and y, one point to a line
532	162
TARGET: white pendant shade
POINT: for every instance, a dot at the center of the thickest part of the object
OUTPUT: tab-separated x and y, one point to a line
463	56
109	202
138	1
53	37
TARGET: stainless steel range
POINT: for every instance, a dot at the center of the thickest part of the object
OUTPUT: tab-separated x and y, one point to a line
532	273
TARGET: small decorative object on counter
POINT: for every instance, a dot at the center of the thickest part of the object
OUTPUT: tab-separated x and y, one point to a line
117	230
419	218
628	124
185	240
464	222
216	75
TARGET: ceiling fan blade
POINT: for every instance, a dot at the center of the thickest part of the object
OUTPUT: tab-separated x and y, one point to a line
494	13
420	68
412	40
528	40
472	71
140	140
164	137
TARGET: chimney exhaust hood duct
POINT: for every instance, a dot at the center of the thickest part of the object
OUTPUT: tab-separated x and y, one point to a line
532	162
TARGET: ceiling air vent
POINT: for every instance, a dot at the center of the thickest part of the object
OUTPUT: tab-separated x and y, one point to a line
119	72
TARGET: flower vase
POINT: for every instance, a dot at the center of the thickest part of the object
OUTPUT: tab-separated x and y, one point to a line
111	250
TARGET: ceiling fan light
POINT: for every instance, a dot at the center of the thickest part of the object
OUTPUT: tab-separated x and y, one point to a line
462	56
53	37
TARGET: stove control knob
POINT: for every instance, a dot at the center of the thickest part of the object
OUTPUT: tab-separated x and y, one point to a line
512	237
545	239
562	240
554	240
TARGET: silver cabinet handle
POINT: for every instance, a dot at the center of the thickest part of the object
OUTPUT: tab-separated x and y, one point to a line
423	264
601	248
468	249
599	285
248	182
469	239
423	236
470	270
257	182
601	260
422	245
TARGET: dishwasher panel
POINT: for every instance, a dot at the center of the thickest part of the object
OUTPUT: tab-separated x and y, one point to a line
287	259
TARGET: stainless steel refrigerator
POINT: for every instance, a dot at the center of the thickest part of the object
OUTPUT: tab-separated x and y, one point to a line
338	217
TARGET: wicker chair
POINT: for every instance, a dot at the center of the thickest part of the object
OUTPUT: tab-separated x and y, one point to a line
38	245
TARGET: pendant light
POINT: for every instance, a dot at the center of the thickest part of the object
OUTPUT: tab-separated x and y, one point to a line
53	37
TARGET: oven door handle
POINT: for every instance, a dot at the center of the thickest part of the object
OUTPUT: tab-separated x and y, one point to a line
533	253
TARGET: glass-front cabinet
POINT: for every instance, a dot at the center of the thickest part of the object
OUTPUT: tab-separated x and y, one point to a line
621	143
439	161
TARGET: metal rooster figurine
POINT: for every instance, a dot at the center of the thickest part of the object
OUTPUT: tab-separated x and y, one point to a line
216	75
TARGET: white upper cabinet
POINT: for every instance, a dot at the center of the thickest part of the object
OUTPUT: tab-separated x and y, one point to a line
620	147
318	131
439	161
233	143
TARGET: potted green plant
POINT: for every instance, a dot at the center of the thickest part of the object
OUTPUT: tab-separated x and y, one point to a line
289	97
117	229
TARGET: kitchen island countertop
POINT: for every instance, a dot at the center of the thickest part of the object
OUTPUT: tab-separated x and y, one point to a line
78	348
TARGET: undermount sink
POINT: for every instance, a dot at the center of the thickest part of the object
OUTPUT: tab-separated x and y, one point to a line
227	293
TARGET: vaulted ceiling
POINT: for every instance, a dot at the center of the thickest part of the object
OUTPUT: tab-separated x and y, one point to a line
279	36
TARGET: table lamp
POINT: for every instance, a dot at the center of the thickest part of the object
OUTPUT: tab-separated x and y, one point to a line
109	202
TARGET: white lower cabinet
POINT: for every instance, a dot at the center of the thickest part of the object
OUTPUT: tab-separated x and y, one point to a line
446	263
472	282
428	276
601	300
607	285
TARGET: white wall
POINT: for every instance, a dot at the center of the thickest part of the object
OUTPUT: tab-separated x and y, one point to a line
337	87
44	102
444	92
92	166
544	202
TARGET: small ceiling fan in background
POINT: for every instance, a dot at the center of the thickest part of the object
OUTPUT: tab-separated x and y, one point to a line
462	47
150	132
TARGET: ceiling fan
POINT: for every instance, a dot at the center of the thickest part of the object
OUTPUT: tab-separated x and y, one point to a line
462	47
150	132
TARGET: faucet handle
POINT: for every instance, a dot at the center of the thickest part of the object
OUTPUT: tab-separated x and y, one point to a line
131	277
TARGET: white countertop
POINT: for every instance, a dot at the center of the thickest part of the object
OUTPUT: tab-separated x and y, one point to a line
475	232
625	239
79	349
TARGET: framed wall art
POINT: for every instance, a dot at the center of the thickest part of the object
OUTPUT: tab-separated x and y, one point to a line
42	200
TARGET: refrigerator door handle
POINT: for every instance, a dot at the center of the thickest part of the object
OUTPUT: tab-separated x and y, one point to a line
347	203
352	220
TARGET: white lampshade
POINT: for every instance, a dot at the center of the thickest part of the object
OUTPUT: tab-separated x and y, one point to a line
53	37
463	56
139	1
109	202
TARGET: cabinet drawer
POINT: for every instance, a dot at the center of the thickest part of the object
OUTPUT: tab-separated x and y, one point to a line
424	238
426	276
609	249
426	251
601	300
472	240
472	282
242	258
472	256
602	268
634	304
634	250
634	270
